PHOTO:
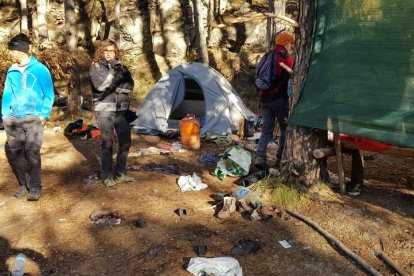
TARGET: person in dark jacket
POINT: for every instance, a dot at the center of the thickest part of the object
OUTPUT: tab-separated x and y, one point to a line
275	102
111	86
26	106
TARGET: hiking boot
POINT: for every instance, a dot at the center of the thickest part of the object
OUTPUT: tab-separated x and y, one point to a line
110	183
355	192
124	178
20	192
229	207
260	163
34	194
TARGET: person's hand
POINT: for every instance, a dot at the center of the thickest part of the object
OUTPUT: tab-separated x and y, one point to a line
43	121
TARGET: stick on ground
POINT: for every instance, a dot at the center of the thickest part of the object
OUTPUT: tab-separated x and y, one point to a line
339	244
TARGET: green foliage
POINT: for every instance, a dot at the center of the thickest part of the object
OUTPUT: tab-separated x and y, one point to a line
275	193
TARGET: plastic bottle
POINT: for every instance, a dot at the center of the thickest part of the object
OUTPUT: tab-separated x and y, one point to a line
19	265
190	132
247	197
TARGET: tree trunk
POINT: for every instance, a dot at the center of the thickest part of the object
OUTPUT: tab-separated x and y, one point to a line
70	25
198	19
298	162
117	34
41	22
269	25
23	21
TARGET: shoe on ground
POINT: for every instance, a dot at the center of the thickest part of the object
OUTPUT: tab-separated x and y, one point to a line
260	163
34	195
356	192
124	178
110	183
22	191
229	207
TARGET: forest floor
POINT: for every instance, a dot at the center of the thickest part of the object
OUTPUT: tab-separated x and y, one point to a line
58	237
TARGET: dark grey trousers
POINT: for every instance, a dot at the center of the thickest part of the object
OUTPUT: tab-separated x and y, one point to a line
108	122
24	140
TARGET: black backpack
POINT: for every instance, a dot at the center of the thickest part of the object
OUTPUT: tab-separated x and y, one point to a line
266	76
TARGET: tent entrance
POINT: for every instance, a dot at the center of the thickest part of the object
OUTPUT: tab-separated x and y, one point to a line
193	102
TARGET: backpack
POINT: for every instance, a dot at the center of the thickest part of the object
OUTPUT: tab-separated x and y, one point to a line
266	76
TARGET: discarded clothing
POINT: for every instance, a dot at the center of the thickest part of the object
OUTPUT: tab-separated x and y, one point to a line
191	183
219	266
210	159
170	169
105	219
245	247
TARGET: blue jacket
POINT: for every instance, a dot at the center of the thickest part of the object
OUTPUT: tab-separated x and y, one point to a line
28	93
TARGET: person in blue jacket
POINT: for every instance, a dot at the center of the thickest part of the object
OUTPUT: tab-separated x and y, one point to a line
26	105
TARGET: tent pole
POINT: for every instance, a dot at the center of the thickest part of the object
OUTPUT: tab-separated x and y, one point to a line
338	150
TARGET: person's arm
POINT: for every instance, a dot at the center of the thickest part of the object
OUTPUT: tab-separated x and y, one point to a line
6	99
46	85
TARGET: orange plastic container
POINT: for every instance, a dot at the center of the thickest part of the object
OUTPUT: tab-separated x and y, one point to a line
190	132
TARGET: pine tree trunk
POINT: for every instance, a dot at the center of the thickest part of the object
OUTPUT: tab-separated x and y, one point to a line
23	21
117	23
298	162
41	22
70	25
198	19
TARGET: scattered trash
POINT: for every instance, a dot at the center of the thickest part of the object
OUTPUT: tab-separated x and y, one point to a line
139	223
200	250
210	159
220	196
245	247
105	219
253	178
57	129
148	151
169	169
248	200
91	180
234	162
218	266
19	265
181	212
285	244
191	183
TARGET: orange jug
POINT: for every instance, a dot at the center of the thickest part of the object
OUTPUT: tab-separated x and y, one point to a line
190	132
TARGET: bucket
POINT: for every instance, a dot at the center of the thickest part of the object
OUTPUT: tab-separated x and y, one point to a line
190	132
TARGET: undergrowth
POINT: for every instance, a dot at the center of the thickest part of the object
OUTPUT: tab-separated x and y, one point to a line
275	193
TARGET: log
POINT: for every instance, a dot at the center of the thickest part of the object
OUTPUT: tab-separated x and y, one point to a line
388	260
336	242
323	152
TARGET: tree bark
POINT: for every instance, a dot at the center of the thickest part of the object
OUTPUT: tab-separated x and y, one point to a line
42	23
203	53
24	27
70	25
298	162
117	33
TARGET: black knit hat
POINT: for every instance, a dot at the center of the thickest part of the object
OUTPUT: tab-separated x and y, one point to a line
20	43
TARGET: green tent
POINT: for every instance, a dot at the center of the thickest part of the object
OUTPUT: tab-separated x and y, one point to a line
361	75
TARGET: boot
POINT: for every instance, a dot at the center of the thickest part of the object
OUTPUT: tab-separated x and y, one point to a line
229	207
260	163
110	183
34	194
20	192
124	178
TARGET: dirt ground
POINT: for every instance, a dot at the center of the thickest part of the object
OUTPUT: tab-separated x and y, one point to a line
58	237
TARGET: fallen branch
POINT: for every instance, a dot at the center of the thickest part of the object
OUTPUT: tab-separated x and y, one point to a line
388	260
336	242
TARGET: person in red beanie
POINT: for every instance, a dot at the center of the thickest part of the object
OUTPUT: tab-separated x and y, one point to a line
275	102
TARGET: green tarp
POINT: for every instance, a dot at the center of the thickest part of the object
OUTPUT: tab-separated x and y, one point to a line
361	75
